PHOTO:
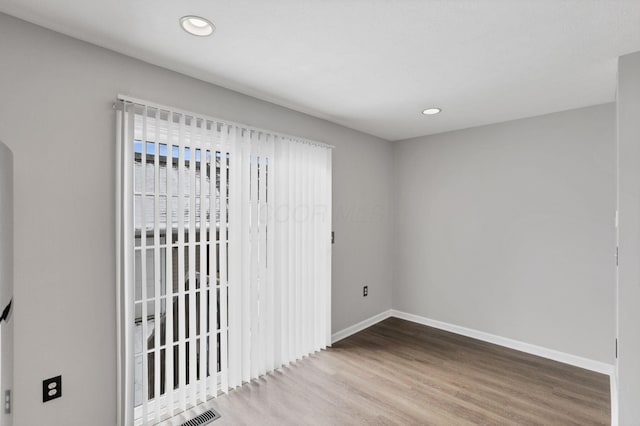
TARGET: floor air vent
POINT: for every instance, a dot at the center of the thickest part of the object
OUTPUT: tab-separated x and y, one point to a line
202	419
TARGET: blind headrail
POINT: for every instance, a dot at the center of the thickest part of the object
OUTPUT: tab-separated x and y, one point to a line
142	102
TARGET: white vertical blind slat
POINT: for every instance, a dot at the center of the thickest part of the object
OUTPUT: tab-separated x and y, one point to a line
156	271
143	267
181	323
204	278
291	255
245	204
169	395
277	171
327	181
325	251
253	262
224	379
310	253
128	236
235	264
313	221
213	268
306	260
192	276
262	255
285	261
299	260
271	337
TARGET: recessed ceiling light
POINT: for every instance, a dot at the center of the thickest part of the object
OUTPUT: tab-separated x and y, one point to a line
431	111
197	25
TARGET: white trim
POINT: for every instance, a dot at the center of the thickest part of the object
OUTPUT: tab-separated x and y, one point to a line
577	361
120	342
339	335
614	399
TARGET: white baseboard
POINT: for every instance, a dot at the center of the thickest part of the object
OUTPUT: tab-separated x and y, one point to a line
339	335
588	364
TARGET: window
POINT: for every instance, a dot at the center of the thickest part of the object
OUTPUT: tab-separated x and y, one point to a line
223	257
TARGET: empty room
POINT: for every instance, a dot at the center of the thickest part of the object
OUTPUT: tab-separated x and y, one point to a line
319	212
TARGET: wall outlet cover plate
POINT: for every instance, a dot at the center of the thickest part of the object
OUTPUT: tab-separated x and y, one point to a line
51	388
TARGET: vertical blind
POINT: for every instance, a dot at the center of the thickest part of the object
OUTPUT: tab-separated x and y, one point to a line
224	256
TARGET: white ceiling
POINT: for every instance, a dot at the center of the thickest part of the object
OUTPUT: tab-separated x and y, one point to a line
374	65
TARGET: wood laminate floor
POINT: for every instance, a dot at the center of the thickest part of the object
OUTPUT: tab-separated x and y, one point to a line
400	373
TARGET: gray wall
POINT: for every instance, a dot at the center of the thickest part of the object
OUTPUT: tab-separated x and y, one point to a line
629	238
56	115
509	229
